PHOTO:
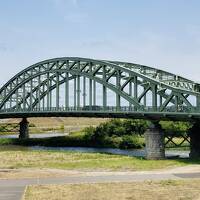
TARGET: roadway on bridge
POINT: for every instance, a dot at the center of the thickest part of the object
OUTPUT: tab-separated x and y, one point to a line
13	189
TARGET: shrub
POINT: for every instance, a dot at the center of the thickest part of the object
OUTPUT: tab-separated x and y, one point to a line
176	128
116	141
116	133
135	127
89	132
119	128
130	142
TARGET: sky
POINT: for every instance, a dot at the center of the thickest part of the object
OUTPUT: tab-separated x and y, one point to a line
163	34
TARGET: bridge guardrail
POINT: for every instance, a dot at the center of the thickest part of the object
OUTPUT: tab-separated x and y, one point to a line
171	109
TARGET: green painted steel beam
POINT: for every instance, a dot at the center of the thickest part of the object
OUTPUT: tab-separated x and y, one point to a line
33	86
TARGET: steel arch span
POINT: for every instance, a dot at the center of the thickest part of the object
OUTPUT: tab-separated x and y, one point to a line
72	86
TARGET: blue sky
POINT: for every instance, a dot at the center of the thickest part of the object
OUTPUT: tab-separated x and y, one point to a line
160	33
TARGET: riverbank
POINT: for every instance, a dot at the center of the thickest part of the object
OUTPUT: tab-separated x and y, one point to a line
78	139
16	158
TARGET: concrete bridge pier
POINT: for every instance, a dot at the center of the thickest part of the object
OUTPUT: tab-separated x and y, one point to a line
24	129
154	140
195	140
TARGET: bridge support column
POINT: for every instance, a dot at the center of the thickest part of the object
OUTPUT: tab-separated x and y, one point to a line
195	140
24	129
154	139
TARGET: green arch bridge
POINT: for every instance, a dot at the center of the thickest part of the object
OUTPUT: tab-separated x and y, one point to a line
72	86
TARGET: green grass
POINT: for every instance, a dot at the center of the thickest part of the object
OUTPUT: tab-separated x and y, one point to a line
151	190
77	134
16	158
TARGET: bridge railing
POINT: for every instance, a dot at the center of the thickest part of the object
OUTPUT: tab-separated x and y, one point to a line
72	109
170	109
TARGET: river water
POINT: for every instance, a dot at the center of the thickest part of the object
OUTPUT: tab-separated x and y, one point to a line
129	152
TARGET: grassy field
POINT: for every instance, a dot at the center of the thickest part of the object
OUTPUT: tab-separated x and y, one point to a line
165	190
57	124
15	158
57	121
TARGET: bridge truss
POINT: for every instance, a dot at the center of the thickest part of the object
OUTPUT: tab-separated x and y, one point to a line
85	87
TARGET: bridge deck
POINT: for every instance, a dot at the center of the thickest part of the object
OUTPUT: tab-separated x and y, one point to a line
105	114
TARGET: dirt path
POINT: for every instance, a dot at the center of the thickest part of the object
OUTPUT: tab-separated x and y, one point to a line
52	173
